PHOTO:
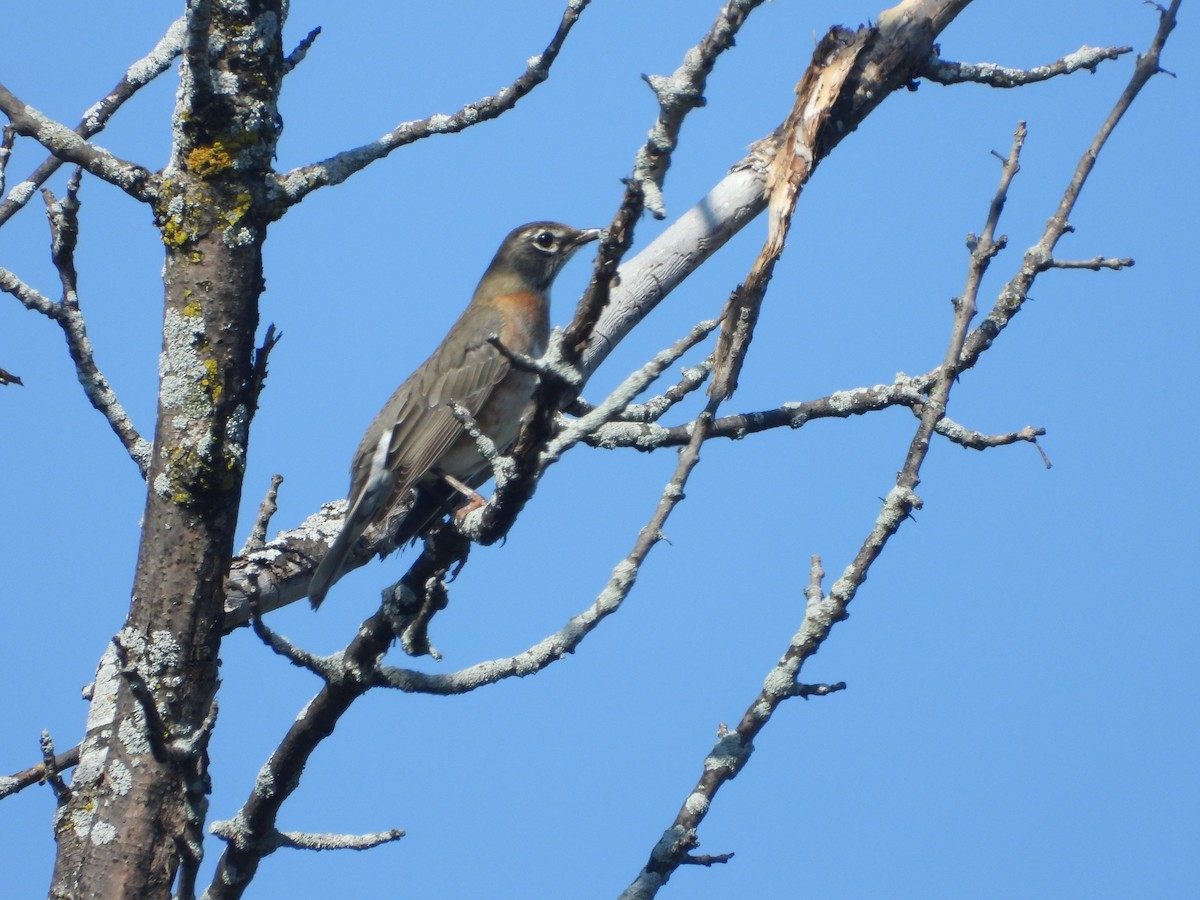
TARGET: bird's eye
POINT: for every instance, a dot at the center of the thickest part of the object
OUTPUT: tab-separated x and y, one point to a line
544	240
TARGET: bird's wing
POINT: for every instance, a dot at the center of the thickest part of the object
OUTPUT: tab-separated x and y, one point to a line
417	425
428	429
418	422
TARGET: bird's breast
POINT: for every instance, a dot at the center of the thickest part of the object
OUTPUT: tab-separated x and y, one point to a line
526	321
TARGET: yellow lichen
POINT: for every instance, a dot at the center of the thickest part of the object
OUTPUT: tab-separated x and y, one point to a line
210	382
210	160
241	206
175	235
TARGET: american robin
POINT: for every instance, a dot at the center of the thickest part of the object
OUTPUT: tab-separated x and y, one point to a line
416	439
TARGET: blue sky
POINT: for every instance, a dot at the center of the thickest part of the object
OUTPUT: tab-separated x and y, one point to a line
1021	718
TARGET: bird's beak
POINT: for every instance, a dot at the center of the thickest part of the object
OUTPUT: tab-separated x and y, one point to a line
586	236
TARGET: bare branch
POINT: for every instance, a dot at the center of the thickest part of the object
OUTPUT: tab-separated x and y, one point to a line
279	572
678	94
706	860
300	840
16	783
808	125
682	248
692	379
732	750
542	366
232	830
267	509
619	399
944	71
564	641
894	51
905	391
96	117
1095	264
297	184
261	356
975	440
62	793
297	56
252	832
328	668
804	691
64	230
1039	257
29	297
66	144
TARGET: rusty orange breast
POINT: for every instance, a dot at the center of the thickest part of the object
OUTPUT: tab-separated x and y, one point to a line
525	317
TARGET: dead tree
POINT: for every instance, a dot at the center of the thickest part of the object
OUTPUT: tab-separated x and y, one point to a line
130	821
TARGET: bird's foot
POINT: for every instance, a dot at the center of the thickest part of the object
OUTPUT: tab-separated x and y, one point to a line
473	503
471	494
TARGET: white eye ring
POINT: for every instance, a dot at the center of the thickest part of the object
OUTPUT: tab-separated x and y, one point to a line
544	241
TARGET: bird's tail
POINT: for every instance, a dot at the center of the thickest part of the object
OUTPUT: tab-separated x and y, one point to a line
331	566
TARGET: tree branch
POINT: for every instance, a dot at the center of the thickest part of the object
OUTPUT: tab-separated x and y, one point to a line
17	782
68	146
297	56
1095	264
96	117
564	641
902	46
64	229
252	834
944	71
297	184
901	51
1039	257
266	511
678	94
732	751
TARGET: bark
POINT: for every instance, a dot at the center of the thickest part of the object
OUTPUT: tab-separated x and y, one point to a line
136	805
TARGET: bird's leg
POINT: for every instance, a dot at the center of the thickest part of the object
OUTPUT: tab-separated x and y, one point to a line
474	499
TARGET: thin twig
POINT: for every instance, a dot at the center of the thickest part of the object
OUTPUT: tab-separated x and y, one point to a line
733	749
68	146
563	642
62	793
1086	58
96	117
678	94
297	56
261	356
64	230
296	185
1095	264
37	774
266	510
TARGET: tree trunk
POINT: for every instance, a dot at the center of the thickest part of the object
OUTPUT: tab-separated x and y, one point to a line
136	809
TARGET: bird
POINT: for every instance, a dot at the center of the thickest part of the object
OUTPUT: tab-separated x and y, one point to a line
417	439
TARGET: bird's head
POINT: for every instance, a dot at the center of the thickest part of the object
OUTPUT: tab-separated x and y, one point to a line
537	252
